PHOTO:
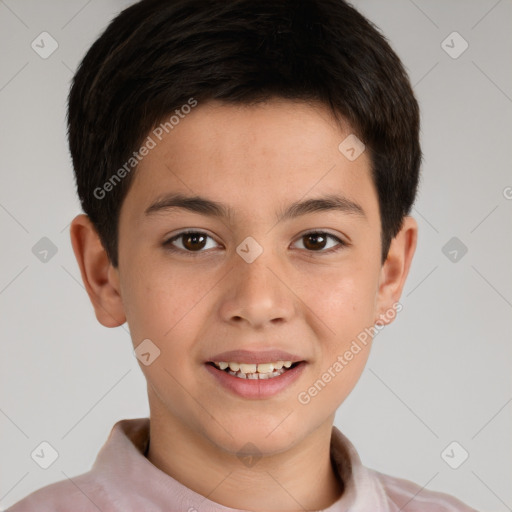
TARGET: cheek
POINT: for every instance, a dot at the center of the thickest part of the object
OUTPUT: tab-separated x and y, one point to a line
346	304
156	301
346	300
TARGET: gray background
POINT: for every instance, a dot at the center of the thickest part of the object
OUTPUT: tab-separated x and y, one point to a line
440	373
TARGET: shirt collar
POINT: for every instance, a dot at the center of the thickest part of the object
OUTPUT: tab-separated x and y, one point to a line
121	466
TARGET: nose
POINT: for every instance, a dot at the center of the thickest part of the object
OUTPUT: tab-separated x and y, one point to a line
256	293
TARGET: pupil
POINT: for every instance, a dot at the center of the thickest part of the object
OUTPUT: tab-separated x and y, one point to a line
315	236
194	237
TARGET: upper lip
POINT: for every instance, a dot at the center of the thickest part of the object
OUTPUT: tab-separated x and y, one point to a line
247	356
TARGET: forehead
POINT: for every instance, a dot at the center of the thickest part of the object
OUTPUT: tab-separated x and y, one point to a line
253	157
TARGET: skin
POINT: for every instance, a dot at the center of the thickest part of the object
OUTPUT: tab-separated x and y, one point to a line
258	160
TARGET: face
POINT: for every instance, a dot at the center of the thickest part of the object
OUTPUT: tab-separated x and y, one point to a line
267	286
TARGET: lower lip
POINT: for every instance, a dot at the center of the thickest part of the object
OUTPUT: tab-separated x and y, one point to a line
256	388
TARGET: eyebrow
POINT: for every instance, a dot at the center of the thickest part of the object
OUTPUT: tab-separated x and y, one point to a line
203	206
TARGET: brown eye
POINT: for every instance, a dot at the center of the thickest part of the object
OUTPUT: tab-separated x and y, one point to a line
190	241
193	241
316	241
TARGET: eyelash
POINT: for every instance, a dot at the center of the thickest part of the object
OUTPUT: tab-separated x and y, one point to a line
168	243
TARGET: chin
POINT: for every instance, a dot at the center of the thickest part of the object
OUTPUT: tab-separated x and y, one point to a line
268	436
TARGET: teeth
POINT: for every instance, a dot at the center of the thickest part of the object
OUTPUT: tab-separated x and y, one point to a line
265	367
252	368
254	371
257	376
246	368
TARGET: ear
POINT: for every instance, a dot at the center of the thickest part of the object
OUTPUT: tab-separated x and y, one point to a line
394	271
100	278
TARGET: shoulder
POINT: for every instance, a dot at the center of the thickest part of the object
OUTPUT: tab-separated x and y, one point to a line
107	485
408	496
78	494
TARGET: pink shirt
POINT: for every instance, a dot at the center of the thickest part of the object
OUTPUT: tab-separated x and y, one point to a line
123	480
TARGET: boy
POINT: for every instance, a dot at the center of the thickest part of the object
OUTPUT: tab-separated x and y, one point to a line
281	138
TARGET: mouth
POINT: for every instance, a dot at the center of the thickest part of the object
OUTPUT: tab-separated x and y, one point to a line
255	371
256	381
255	375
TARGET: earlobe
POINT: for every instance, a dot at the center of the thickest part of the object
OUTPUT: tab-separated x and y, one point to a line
98	275
395	269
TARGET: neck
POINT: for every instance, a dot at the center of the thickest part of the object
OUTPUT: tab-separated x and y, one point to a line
300	478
